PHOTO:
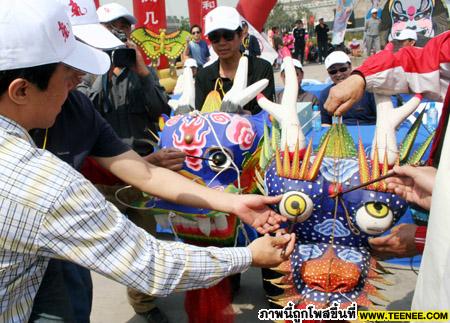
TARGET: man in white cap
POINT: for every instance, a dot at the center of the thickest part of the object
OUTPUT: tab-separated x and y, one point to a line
50	211
372	32
407	37
223	28
66	289
303	96
339	67
130	96
116	17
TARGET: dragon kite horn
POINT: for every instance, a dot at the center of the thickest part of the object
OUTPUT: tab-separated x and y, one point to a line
239	94
286	112
388	119
186	102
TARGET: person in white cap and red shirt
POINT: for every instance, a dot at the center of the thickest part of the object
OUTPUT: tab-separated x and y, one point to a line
303	96
363	112
407	37
50	211
372	32
223	28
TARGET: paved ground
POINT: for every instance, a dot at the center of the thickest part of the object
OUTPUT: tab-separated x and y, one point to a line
110	301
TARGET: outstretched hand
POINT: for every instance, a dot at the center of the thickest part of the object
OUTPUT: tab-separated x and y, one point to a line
344	95
399	243
255	211
269	251
414	184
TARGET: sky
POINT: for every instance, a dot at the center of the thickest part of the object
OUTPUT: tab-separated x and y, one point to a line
173	7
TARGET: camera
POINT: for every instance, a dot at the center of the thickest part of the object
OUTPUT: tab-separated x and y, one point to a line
123	57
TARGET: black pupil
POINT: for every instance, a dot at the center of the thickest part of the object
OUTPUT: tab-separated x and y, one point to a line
378	206
295	205
219	159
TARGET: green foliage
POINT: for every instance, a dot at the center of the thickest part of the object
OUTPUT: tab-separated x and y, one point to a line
285	19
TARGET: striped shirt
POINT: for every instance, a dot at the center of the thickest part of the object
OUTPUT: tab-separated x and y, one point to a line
47	210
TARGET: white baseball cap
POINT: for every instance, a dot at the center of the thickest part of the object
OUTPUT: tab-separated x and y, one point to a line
113	11
86	25
190	62
374	10
39	32
407	34
222	18
336	57
296	62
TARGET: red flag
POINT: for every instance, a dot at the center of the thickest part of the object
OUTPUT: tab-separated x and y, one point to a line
151	15
256	11
97	3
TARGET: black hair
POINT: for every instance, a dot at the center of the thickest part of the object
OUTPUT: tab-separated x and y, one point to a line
196	26
299	21
37	75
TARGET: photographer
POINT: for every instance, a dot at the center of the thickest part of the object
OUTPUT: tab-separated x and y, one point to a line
129	97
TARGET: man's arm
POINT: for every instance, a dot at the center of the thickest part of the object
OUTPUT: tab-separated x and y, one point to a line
84	228
411	69
252	209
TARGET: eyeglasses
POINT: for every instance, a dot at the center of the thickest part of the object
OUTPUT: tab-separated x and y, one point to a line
195	32
342	70
216	35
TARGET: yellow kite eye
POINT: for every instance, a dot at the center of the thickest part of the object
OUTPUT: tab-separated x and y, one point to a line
374	218
377	209
296	206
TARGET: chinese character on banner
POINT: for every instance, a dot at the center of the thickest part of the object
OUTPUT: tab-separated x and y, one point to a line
206	6
151	14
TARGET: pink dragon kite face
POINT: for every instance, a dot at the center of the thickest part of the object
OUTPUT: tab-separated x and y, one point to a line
217	145
412	14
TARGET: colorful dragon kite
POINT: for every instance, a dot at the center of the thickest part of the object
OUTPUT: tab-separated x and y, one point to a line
332	261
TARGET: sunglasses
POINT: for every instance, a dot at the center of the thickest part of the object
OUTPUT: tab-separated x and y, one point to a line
195	32
342	70
216	35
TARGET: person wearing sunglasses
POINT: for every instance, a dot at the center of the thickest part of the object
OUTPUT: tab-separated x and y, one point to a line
364	112
223	28
197	48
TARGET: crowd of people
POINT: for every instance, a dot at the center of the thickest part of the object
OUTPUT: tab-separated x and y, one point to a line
66	105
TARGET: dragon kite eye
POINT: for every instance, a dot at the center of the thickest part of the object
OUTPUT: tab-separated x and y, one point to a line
377	209
218	160
296	206
374	218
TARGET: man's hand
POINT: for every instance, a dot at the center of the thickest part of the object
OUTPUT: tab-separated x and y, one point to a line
268	251
398	244
254	210
140	68
344	95
170	158
414	184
